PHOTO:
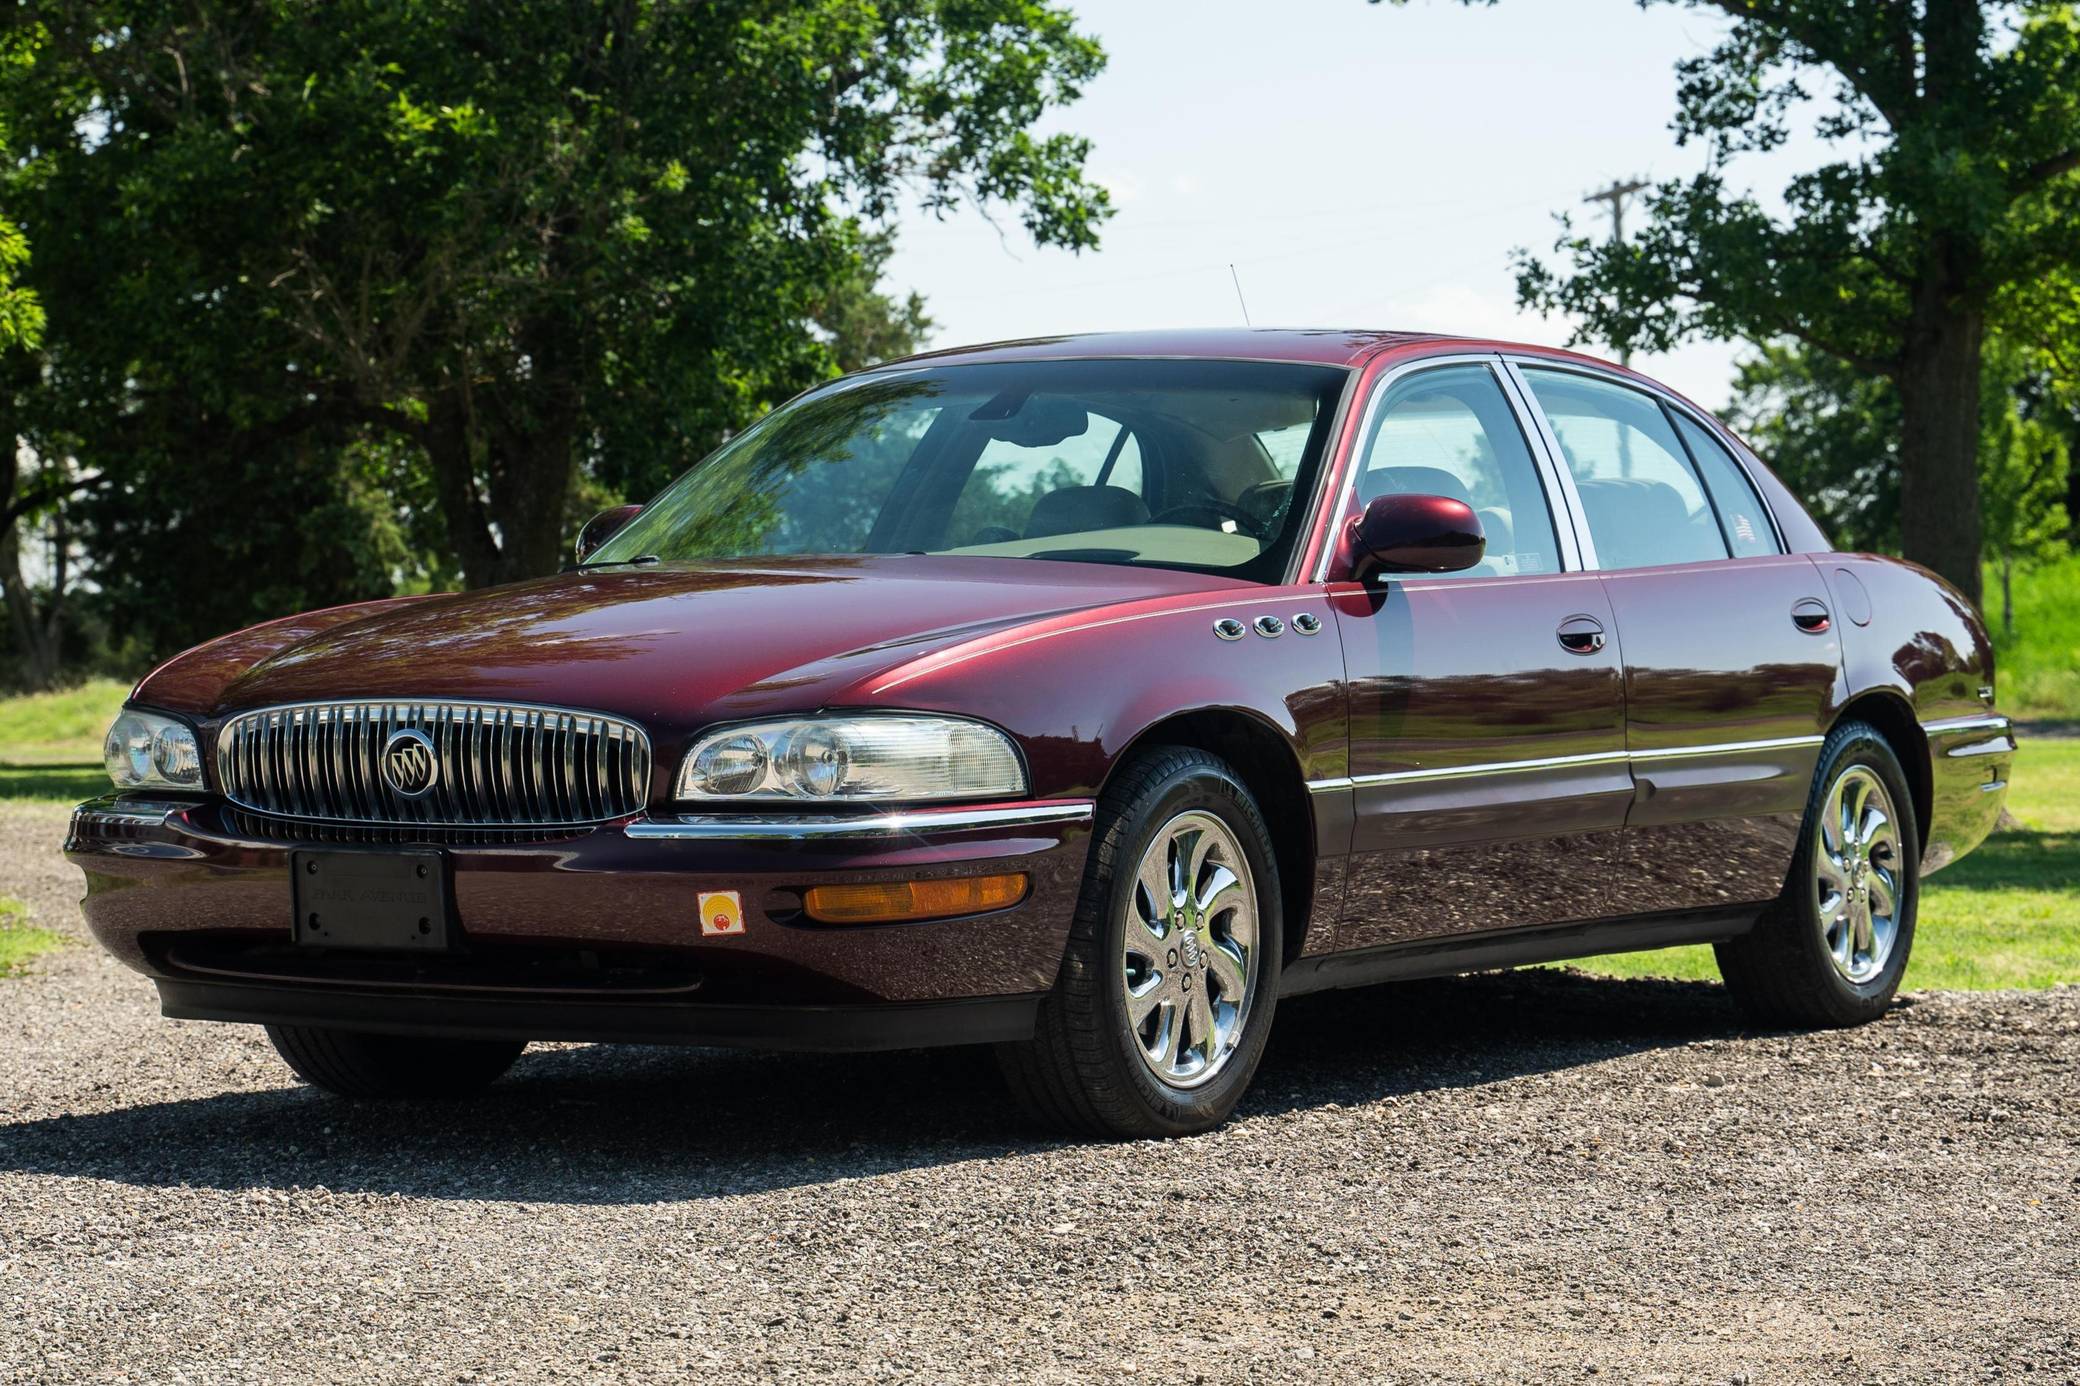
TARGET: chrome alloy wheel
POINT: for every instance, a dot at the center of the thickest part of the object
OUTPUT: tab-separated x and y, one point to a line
1189	965
1856	866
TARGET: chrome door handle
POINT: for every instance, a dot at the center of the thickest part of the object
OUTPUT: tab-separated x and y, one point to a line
1582	635
1810	615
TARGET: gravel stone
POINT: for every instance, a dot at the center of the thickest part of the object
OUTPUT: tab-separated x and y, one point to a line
1519	1177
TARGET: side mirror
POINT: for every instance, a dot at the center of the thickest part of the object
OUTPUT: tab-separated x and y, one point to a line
1415	534
602	527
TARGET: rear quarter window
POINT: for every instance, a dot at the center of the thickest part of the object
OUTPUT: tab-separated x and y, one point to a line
1741	517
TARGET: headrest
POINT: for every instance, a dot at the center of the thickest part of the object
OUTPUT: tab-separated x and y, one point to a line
1412	481
1080	509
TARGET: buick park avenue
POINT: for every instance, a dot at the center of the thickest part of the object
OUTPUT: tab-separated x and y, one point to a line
1084	697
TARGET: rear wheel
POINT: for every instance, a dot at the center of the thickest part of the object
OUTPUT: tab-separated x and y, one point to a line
1160	1013
353	1064
1832	949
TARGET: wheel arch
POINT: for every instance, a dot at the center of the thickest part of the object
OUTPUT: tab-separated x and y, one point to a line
1894	719
1265	759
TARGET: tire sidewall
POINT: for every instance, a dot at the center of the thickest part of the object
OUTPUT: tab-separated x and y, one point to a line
1207	787
1859	745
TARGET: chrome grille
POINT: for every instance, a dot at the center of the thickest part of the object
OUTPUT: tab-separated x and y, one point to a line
496	764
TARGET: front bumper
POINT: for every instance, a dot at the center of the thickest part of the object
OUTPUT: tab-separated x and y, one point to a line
593	934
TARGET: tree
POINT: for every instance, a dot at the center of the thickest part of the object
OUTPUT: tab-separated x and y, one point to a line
1833	432
531	240
1958	126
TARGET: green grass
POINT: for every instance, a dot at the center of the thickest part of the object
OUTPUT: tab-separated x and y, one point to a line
2038	668
2008	915
19	940
50	743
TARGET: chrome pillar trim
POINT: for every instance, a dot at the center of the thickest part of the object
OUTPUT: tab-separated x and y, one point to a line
803	827
1565	503
1337	501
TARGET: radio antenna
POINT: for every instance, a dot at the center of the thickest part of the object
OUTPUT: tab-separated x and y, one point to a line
1238	294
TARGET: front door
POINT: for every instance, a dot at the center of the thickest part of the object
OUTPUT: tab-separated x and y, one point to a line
1732	663
1487	751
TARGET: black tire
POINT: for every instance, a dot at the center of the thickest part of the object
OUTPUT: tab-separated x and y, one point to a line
1081	1072
1781	972
352	1064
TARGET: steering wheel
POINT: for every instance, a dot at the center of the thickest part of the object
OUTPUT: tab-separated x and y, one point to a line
1219	510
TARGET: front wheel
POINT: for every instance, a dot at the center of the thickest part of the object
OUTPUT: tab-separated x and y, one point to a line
1832	949
352	1064
1165	996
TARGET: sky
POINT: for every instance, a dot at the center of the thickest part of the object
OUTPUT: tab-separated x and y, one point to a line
1359	166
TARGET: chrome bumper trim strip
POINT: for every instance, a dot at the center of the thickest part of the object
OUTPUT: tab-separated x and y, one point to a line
722	827
1951	726
129	813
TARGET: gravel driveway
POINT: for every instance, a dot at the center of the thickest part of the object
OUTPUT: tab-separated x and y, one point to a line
1533	1176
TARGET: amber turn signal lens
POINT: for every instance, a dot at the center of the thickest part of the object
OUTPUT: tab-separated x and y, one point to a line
888	902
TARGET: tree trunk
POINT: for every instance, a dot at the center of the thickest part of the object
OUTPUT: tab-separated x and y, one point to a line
1939	435
2007	596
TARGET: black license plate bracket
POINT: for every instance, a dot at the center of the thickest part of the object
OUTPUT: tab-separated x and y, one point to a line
391	902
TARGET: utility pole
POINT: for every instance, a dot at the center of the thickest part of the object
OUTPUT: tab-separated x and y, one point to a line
1616	196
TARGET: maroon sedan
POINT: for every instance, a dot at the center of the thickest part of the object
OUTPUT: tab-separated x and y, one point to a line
1084	697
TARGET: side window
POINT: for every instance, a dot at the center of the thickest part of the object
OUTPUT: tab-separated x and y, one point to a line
1643	502
1451	432
1006	497
1742	520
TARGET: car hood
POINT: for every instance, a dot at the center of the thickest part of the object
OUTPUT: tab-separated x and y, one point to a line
676	645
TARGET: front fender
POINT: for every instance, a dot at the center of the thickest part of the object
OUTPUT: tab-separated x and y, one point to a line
1078	689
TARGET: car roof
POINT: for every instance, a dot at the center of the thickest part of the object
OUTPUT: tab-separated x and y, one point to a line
1335	346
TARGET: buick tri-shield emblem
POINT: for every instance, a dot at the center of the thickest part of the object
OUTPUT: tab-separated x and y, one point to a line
409	766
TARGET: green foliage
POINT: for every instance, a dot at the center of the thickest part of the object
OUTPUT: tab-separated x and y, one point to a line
19	940
1831	431
2008	915
50	743
1954	192
400	291
2037	658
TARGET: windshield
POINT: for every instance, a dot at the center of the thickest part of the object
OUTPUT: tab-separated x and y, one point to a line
1179	464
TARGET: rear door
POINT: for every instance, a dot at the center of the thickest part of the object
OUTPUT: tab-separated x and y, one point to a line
1487	754
1732	665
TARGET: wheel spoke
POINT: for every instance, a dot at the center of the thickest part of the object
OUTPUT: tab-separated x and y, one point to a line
1141	1001
1163	1045
1157	887
1228	969
1855	794
1193	848
1833	875
1221	890
1199	1027
1832	817
1880	836
1884	894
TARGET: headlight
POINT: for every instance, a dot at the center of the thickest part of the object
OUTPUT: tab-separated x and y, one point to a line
902	757
144	750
